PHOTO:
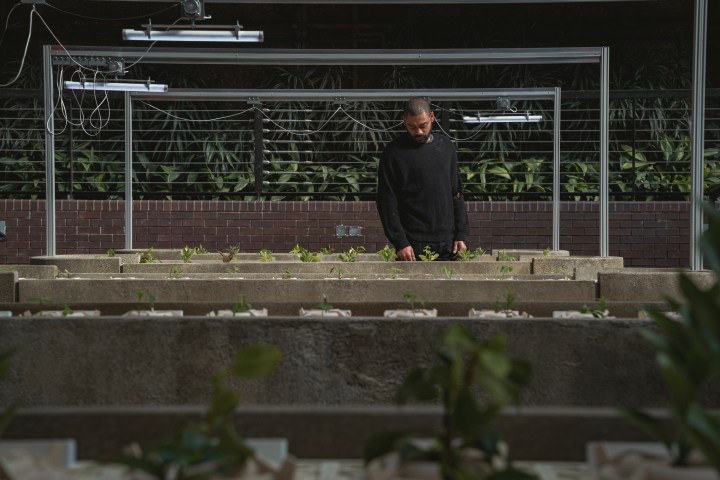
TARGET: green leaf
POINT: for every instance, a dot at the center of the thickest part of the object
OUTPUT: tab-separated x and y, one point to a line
652	426
256	361
496	362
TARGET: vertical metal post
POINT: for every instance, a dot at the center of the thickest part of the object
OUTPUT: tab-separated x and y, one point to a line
556	172
604	144
49	153
128	172
634	150
71	133
698	134
259	156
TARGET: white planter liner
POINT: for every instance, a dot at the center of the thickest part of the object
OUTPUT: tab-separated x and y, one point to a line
406	312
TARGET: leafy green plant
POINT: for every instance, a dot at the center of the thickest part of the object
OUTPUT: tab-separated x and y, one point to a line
564	271
324	305
387	253
466	446
67	310
546	252
232	269
241	305
212	448
305	255
352	254
176	272
599	311
200	249
186	254
340	272
505	271
266	255
326	251
508	303
468	255
503	256
428	255
287	273
688	354
415	301
110	252
148	256
394	271
447	272
149	296
229	254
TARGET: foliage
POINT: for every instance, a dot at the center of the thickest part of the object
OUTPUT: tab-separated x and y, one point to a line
110	252
175	272
352	254
687	351
340	272
304	254
149	296
504	271
599	311
503	256
200	249
266	255
387	253
211	448
468	255
447	272
186	254
428	254
464	366
241	305
148	256
508	303
414	300
229	253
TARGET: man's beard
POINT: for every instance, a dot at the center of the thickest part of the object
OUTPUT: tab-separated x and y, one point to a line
421	138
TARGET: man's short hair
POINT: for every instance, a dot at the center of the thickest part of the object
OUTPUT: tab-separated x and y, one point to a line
417	106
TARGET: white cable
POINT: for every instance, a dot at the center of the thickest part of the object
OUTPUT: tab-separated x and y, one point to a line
61	44
109	19
299	132
194	119
27	44
368	127
149	48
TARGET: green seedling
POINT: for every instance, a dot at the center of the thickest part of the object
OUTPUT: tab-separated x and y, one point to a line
564	271
110	252
241	305
176	272
340	272
388	254
149	296
600	311
503	256
297	249
326	251
351	255
324	306
428	255
148	256
415	301
507	304
305	255
186	254
468	255
230	253
287	273
505	270
232	269
67	311
394	271
448	272
266	255
200	249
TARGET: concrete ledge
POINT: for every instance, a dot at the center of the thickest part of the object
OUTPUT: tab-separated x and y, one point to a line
170	361
8	286
81	263
649	286
298	290
44	272
590	265
322	432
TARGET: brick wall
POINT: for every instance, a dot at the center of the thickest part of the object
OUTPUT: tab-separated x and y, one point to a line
645	234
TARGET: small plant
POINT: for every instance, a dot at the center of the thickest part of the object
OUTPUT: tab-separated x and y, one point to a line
266	255
546	252
211	448
388	254
232	269
305	255
503	256
505	271
324	306
297	249
149	296
448	272
564	271
186	254
148	256
241	305
351	255
201	249
600	311
229	254
110	252
326	251
340	272
466	446
67	311
507	305
428	255
468	255
394	271
176	272
415	301
287	274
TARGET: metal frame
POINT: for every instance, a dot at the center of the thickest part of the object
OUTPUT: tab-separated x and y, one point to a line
598	55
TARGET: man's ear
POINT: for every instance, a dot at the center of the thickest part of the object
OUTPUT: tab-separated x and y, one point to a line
432	117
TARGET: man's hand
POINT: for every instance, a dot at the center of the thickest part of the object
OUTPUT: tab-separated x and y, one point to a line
406	254
458	247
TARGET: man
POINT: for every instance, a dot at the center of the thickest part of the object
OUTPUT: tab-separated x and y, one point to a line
419	195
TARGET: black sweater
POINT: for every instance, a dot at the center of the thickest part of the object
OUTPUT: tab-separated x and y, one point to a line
419	193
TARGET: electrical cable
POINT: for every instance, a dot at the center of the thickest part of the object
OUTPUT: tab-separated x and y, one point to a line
109	19
27	44
368	127
299	132
224	117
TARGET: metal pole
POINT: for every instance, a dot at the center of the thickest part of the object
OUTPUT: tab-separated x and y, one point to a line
556	172
604	142
698	134
49	154
259	157
128	173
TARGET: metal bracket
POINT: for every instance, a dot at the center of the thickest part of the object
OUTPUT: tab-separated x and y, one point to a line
115	65
254	101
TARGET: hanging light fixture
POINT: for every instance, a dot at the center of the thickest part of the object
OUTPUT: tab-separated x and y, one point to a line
185	33
522	118
118	86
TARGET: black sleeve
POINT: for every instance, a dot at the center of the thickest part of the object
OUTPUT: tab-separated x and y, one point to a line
387	204
460	211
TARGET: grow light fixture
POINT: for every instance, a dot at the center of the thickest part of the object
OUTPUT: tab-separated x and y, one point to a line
188	33
521	118
118	86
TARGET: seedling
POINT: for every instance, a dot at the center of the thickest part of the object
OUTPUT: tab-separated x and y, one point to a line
110	252
266	255
505	270
600	311
503	256
324	306
508	303
175	272
232	269
305	255
297	249
414	300
428	255
339	271
186	253
546	252
387	253
448	272
326	251
468	255
67	311
200	249
564	271
287	273
241	305
394	271
351	255
230	253
148	256
149	296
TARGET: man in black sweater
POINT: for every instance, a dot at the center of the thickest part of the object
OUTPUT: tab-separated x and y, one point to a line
419	195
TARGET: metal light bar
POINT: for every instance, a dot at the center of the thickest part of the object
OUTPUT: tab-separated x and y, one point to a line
118	86
210	33
527	118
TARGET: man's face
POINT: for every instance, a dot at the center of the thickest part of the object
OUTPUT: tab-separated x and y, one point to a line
419	126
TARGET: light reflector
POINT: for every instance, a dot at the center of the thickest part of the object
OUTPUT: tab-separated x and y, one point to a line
118	86
229	35
526	118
